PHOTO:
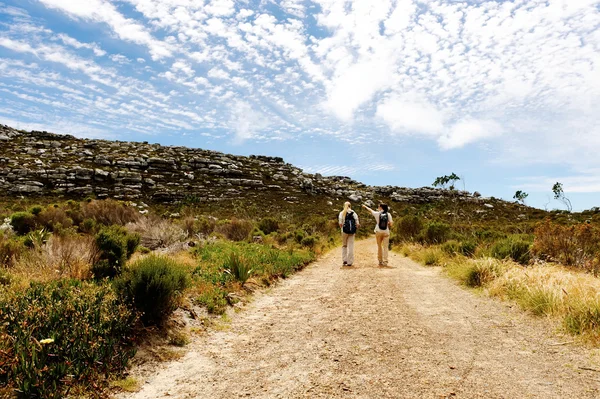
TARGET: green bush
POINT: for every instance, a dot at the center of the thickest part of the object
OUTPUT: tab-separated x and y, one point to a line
23	222
468	248
57	335
116	245
451	247
436	233
10	250
236	229
238	267
299	236
309	241
513	248
408	228
36	210
154	286
268	225
215	300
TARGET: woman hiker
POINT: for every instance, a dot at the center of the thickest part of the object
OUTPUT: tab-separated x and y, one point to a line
348	220
382	231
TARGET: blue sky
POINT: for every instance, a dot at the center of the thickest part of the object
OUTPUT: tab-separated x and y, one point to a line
503	93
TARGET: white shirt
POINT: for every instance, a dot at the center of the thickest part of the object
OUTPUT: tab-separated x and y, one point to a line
376	216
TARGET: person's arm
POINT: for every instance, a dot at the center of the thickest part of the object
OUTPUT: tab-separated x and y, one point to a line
391	221
340	222
374	213
356	220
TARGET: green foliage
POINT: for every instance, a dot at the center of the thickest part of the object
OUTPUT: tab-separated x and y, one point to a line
154	286
559	194
268	225
36	239
10	250
214	299
36	210
443	181
309	241
237	266
409	227
512	247
436	232
65	333
23	222
481	272
116	245
467	248
520	196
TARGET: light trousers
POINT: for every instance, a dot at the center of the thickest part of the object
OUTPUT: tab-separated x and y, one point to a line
383	242
348	248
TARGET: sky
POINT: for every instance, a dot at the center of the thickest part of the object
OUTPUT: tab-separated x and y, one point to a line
389	92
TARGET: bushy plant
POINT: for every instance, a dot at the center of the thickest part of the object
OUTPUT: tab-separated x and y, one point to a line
109	212
10	250
238	267
154	286
577	245
481	272
23	222
214	299
436	232
309	241
54	219
512	247
451	247
116	245
36	210
268	225
409	227
467	248
236	229
65	333
156	232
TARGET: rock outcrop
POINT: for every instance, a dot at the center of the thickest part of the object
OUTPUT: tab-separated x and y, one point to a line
42	163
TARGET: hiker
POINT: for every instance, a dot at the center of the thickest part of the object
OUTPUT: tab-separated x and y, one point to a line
382	231
348	220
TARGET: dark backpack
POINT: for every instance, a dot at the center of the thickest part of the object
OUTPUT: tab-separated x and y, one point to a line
383	221
349	223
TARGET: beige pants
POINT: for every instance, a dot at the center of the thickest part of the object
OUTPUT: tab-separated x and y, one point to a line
348	248
383	242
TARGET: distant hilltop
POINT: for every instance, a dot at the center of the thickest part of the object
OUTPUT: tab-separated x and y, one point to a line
46	164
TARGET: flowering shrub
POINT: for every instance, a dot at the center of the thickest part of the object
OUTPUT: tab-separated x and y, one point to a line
63	334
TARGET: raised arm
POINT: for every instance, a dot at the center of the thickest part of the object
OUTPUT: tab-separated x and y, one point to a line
374	213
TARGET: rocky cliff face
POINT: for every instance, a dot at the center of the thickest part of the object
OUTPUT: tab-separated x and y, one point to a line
42	163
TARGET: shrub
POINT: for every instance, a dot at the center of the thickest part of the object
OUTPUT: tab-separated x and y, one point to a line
156	232
23	222
571	245
268	225
88	226
54	219
36	210
154	286
236	229
215	300
451	247
299	236
436	232
468	248
115	246
57	335
10	250
309	241
431	257
513	248
481	272
238	267
408	228
109	212
205	226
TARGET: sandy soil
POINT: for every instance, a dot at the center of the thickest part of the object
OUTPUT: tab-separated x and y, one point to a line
368	332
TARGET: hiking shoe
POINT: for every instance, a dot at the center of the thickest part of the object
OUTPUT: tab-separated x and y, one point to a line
345	264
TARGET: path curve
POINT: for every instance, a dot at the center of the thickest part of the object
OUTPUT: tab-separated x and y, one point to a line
369	332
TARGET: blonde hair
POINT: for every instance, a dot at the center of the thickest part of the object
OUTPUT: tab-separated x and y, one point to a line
345	211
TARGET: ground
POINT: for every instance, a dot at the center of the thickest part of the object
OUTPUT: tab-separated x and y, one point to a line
367	332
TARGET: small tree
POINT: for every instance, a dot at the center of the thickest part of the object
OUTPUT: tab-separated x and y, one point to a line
520	196
559	194
443	181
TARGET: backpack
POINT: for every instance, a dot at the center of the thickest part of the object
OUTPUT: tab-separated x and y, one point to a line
383	221
349	223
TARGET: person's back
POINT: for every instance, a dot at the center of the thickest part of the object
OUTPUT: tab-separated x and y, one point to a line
383	223
348	221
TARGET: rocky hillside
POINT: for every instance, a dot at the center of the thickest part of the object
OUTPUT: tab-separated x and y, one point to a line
46	164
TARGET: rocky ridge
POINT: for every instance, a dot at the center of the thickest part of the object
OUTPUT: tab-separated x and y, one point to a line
41	163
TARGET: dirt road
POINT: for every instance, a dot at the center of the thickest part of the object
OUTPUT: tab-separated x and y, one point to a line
369	332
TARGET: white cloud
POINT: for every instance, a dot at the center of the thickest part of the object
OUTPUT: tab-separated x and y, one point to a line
246	121
412	115
103	11
69	41
468	131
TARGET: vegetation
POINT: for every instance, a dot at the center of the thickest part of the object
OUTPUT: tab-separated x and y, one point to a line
559	194
520	196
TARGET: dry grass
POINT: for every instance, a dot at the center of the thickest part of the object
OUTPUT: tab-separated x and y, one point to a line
128	384
156	232
109	212
69	256
566	295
